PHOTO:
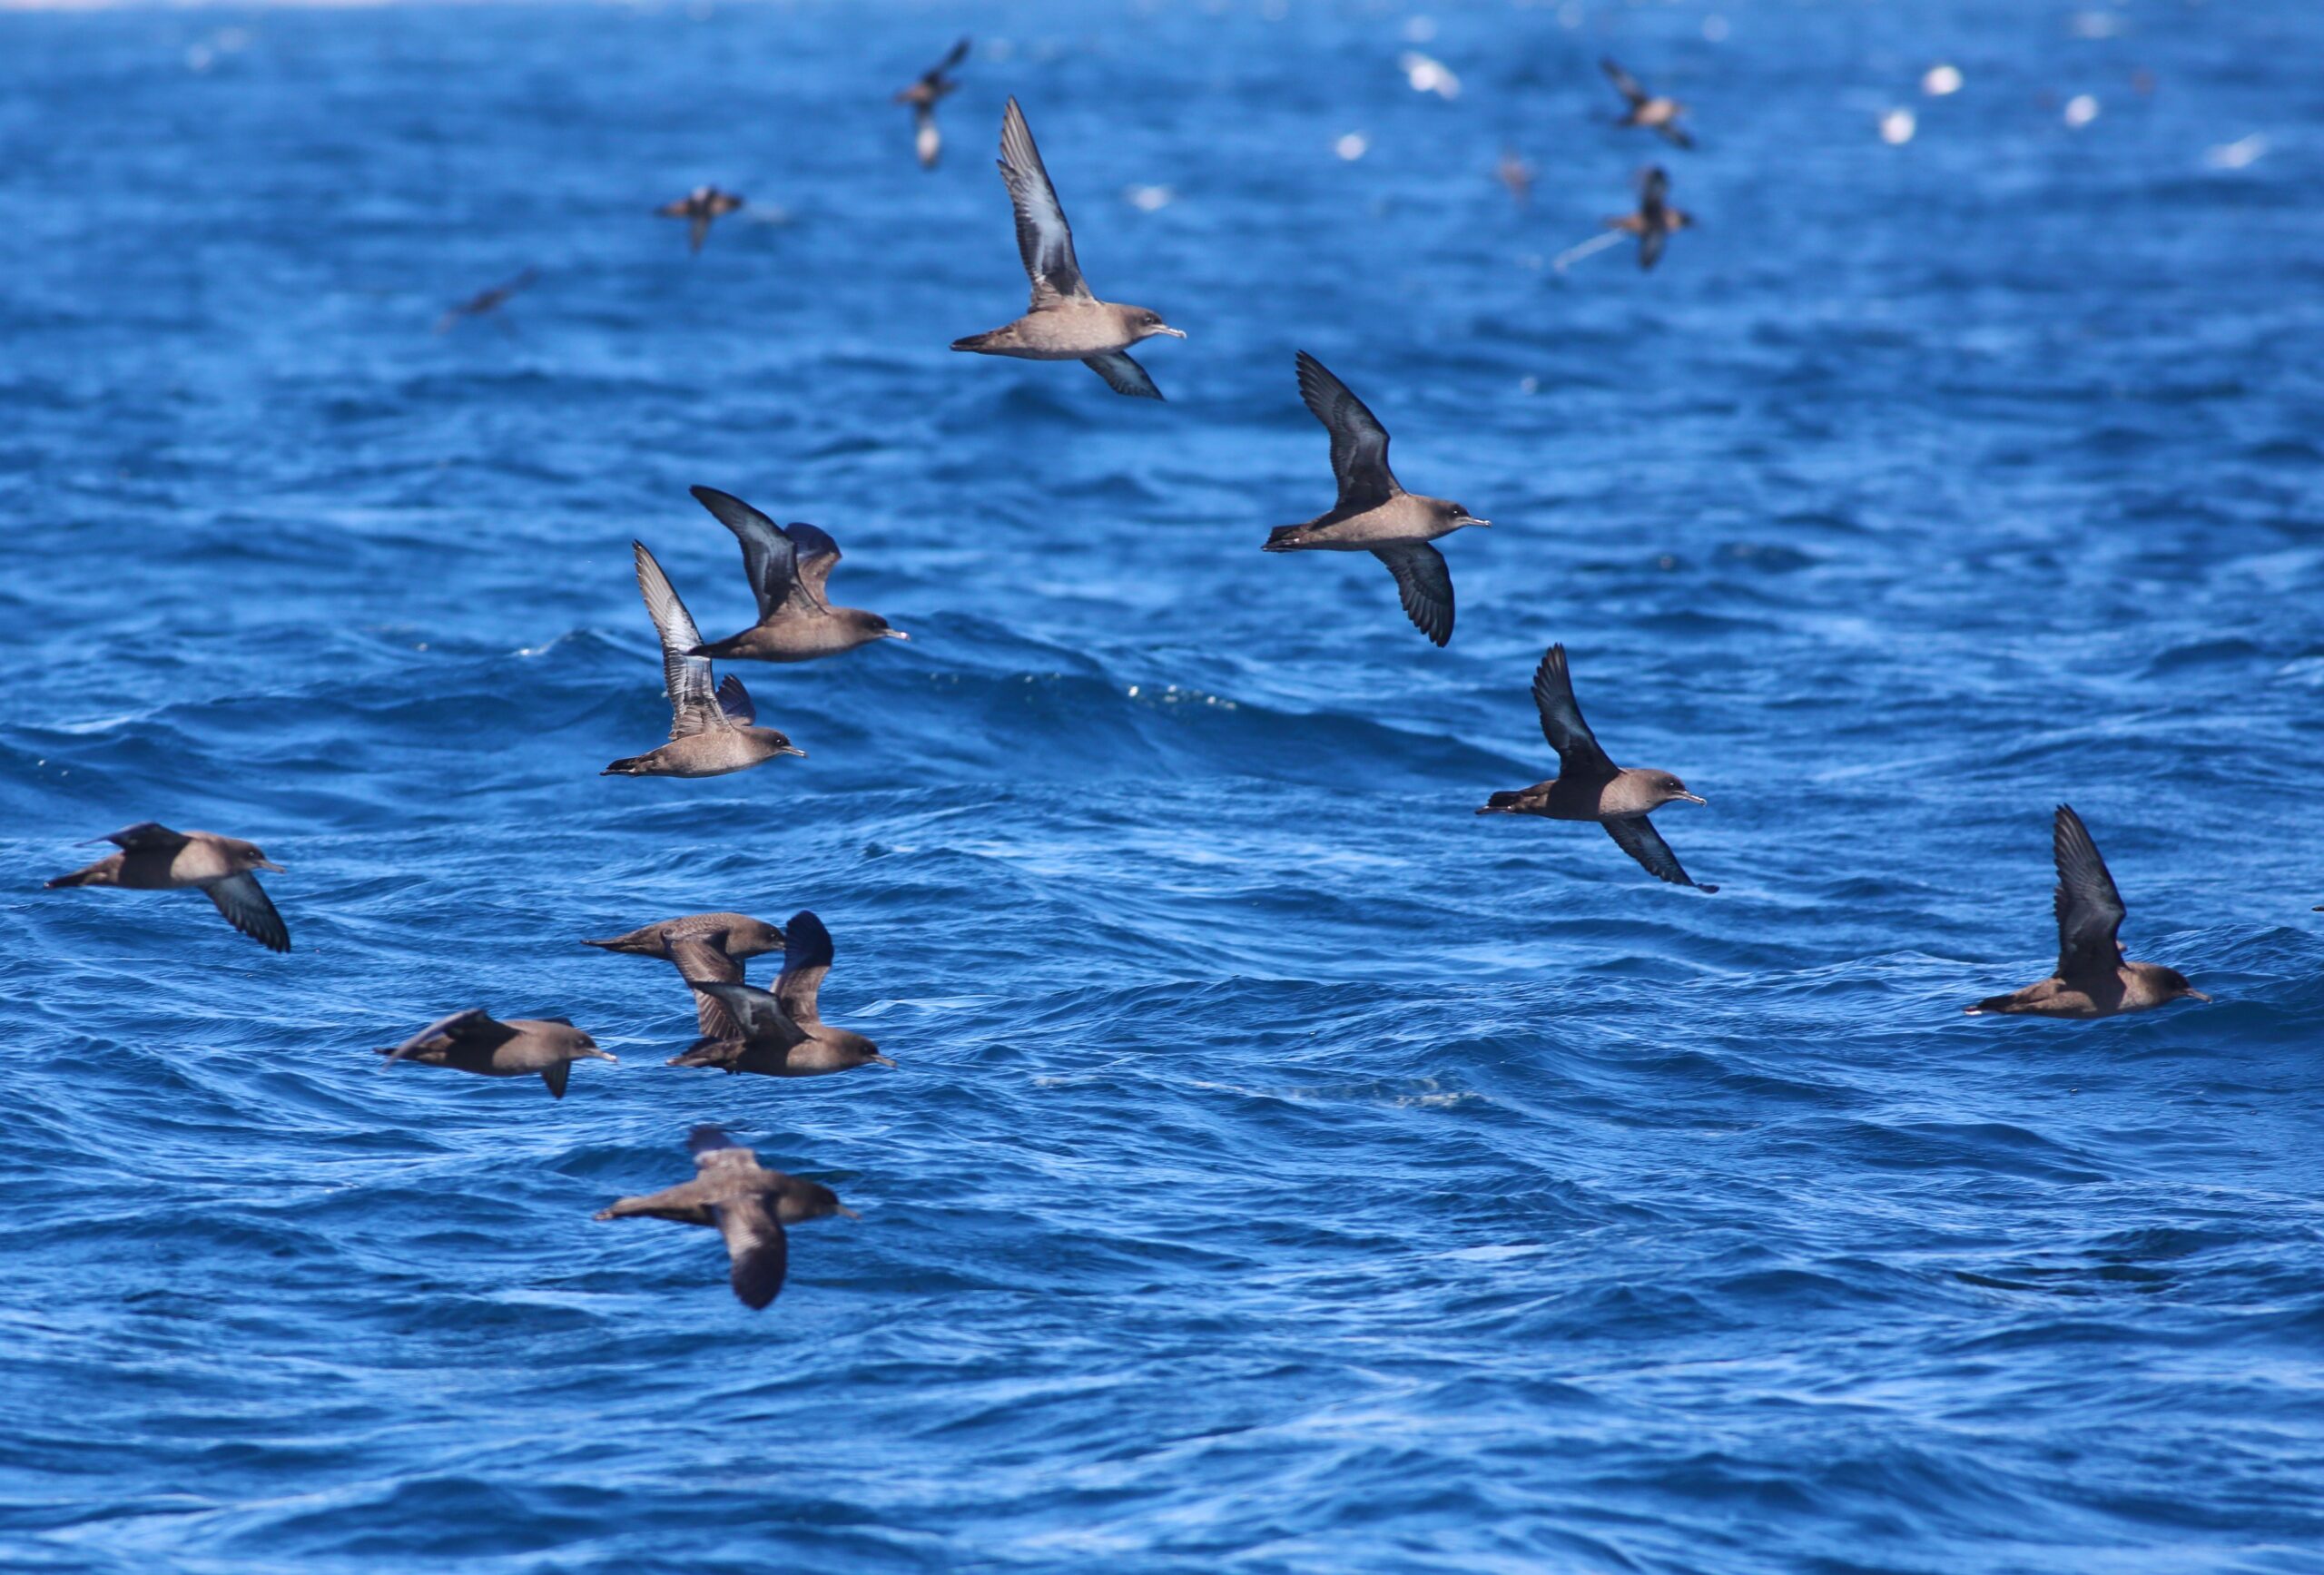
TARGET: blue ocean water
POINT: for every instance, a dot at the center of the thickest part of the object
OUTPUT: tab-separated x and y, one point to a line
1286	1169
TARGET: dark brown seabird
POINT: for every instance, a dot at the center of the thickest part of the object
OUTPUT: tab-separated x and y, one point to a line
698	208
934	84
1373	514
472	1042
704	946
1649	109
2094	980
711	733
781	1033
1065	322
788	567
1656	220
747	1202
153	858
1589	786
485	301
1516	174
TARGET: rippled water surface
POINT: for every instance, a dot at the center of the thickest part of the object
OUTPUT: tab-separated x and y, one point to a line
1286	1169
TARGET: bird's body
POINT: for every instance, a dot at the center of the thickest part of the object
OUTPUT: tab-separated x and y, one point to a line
712	731
1589	786
710	947
922	96
1375	514
153	858
473	1041
698	208
2093	980
1654	113
1655	221
789	567
1065	322
781	1033
746	1203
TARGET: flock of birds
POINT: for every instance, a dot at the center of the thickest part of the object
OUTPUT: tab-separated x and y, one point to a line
714	729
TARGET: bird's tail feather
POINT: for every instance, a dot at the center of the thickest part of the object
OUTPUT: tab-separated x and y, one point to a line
633	765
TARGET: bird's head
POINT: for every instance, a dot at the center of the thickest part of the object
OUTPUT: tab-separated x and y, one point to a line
1145	324
1453	516
246	856
1667	787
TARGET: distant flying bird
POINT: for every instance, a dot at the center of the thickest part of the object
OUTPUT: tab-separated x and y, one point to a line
1649	109
933	85
471	1042
712	733
2094	980
788	567
1589	786
743	1202
484	302
698	208
153	858
1516	174
1375	514
1656	220
1065	322
781	1032
705	946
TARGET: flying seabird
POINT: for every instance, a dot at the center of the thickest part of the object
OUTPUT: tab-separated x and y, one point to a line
1065	322
788	566
486	301
704	946
933	84
747	1203
1516	174
711	733
153	858
780	1032
1373	514
1649	109
2094	980
698	208
472	1042
1656	220
1591	787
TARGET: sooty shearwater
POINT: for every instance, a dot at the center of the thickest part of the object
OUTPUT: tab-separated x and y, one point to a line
698	208
789	566
1516	174
747	1202
712	733
486	301
1373	514
933	85
153	858
2094	980
1065	322
472	1042
1649	109
781	1033
1591	787
705	946
1656	220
